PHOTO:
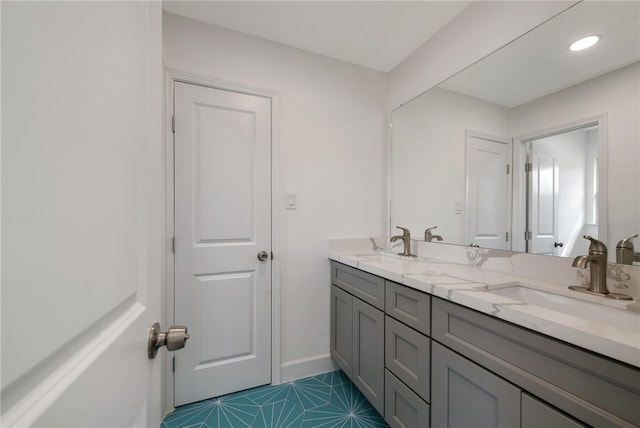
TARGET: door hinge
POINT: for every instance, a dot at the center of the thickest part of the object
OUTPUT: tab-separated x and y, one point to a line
508	168
506	236
528	167
527	235
173	244
173	124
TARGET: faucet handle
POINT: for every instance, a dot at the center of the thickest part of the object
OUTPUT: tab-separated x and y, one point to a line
627	243
596	247
429	229
405	231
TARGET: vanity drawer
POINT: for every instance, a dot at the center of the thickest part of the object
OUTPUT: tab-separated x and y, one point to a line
407	355
536	414
402	407
363	285
410	306
589	387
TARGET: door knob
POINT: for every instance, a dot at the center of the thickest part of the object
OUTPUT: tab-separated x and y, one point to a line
558	244
263	255
175	338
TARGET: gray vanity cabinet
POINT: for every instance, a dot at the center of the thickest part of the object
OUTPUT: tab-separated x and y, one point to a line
341	336
365	286
402	407
357	330
466	395
407	357
406	354
409	306
537	414
368	352
487	400
423	361
590	388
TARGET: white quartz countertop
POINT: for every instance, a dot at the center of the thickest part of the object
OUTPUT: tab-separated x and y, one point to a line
599	324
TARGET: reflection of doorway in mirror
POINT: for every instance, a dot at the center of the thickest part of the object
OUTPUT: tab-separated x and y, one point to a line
488	191
562	191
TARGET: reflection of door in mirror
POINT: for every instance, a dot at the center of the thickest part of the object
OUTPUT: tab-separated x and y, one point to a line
488	191
562	191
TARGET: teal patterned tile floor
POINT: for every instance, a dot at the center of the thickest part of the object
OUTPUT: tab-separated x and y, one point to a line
328	400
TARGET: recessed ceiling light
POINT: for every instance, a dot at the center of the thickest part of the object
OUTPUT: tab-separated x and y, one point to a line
584	43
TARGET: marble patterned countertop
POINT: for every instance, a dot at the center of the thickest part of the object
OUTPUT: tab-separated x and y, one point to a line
602	325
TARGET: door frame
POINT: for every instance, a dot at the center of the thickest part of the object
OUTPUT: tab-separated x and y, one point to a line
175	75
519	182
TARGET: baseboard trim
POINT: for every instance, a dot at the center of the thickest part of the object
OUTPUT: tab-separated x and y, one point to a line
306	367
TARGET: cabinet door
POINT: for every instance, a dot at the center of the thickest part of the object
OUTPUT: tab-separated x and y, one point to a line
402	407
341	338
466	395
537	414
368	352
406	354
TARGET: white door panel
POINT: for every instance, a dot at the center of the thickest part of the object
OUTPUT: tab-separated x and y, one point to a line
544	199
222	221
488	192
81	203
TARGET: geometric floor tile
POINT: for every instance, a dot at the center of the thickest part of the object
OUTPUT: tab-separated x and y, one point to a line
328	400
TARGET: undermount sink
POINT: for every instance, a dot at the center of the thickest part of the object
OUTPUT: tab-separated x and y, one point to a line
607	315
385	258
391	264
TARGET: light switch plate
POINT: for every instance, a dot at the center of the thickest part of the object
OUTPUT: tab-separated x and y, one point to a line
291	202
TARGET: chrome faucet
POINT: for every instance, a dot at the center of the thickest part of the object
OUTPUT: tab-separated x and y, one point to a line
428	236
597	262
406	241
625	253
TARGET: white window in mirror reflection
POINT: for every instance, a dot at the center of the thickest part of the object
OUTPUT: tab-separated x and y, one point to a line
563	191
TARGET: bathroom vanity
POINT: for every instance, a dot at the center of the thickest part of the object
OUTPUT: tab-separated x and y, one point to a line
435	344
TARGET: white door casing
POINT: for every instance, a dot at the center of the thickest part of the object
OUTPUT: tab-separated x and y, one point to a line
523	182
222	176
488	190
82	222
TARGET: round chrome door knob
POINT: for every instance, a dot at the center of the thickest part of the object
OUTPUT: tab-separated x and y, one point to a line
175	338
263	256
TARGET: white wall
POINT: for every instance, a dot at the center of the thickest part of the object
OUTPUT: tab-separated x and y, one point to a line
331	152
617	95
478	30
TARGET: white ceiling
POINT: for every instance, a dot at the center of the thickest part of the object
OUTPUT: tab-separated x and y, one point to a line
374	34
540	63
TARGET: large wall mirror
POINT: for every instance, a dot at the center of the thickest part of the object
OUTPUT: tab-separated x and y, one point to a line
532	147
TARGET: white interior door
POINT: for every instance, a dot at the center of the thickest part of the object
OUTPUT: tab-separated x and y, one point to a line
488	191
543	214
82	218
222	222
